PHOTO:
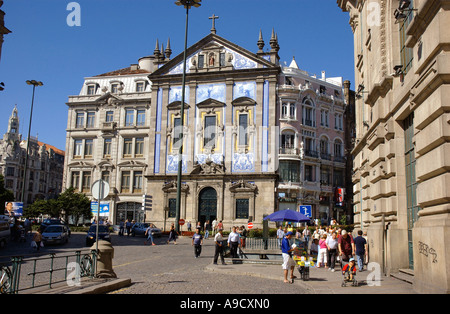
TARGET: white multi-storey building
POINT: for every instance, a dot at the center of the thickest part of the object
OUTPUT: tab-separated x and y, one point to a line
107	134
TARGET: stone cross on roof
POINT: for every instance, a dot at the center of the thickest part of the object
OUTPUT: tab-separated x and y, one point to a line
213	18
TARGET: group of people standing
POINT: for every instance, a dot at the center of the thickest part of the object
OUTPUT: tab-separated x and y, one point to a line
328	245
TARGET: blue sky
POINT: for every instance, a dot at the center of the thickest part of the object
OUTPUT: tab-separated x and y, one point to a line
116	33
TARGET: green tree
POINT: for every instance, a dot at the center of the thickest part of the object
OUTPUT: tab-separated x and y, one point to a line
74	204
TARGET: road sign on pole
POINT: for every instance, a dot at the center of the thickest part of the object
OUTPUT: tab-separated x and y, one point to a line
250	225
306	210
99	189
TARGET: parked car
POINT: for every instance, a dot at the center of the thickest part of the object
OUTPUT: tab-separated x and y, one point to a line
55	234
140	228
103	234
54	221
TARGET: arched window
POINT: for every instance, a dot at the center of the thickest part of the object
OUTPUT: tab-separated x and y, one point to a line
338	148
308	112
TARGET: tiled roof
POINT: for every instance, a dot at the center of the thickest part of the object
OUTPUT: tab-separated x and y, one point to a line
56	150
125	71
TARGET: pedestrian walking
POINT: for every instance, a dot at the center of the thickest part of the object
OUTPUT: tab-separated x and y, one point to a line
332	244
128	227
37	239
360	249
172	235
189	225
280	235
148	233
27	226
323	254
206	229
197	242
233	242
286	253
306	236
218	240
214	227
121	227
314	251
346	247
243	236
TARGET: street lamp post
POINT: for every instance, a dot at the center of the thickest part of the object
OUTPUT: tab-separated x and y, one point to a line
34	83
187	5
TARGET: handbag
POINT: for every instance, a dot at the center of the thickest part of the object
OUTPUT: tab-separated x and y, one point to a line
33	244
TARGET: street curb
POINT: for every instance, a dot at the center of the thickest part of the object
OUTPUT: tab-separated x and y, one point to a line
104	287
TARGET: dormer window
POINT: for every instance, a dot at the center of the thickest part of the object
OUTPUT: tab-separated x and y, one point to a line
91	89
140	86
114	88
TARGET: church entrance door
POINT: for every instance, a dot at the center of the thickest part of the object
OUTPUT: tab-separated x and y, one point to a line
207	206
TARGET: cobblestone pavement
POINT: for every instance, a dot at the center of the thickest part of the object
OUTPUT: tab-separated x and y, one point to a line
173	269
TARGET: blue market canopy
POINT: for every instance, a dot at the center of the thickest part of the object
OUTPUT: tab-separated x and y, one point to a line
287	215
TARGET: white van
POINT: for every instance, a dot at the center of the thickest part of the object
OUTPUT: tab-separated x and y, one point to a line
5	232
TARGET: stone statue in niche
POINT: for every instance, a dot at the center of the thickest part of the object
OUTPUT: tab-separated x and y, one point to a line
211	60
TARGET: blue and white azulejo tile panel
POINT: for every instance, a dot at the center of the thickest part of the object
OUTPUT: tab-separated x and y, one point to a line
244	89
172	164
243	162
213	91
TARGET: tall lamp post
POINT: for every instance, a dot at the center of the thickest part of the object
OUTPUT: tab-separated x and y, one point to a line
187	5
34	83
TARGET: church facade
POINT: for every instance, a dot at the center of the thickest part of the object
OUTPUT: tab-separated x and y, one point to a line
229	162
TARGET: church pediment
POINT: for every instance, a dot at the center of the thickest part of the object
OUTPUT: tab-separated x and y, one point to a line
176	105
243	101
212	53
171	186
210	103
242	186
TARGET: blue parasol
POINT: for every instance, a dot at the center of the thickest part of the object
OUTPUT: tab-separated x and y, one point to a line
287	215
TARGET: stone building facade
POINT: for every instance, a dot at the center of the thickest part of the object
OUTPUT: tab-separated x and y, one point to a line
45	165
108	138
401	166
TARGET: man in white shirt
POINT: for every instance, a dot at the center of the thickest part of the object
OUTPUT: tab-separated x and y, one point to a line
218	240
233	242
280	235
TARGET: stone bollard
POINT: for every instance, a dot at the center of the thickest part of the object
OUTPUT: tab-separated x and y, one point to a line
104	260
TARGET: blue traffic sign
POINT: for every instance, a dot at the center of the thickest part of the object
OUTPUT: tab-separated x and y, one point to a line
306	210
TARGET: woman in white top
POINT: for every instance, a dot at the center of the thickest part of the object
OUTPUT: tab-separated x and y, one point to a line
332	244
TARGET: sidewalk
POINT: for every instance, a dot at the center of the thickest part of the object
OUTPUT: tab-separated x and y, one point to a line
321	281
